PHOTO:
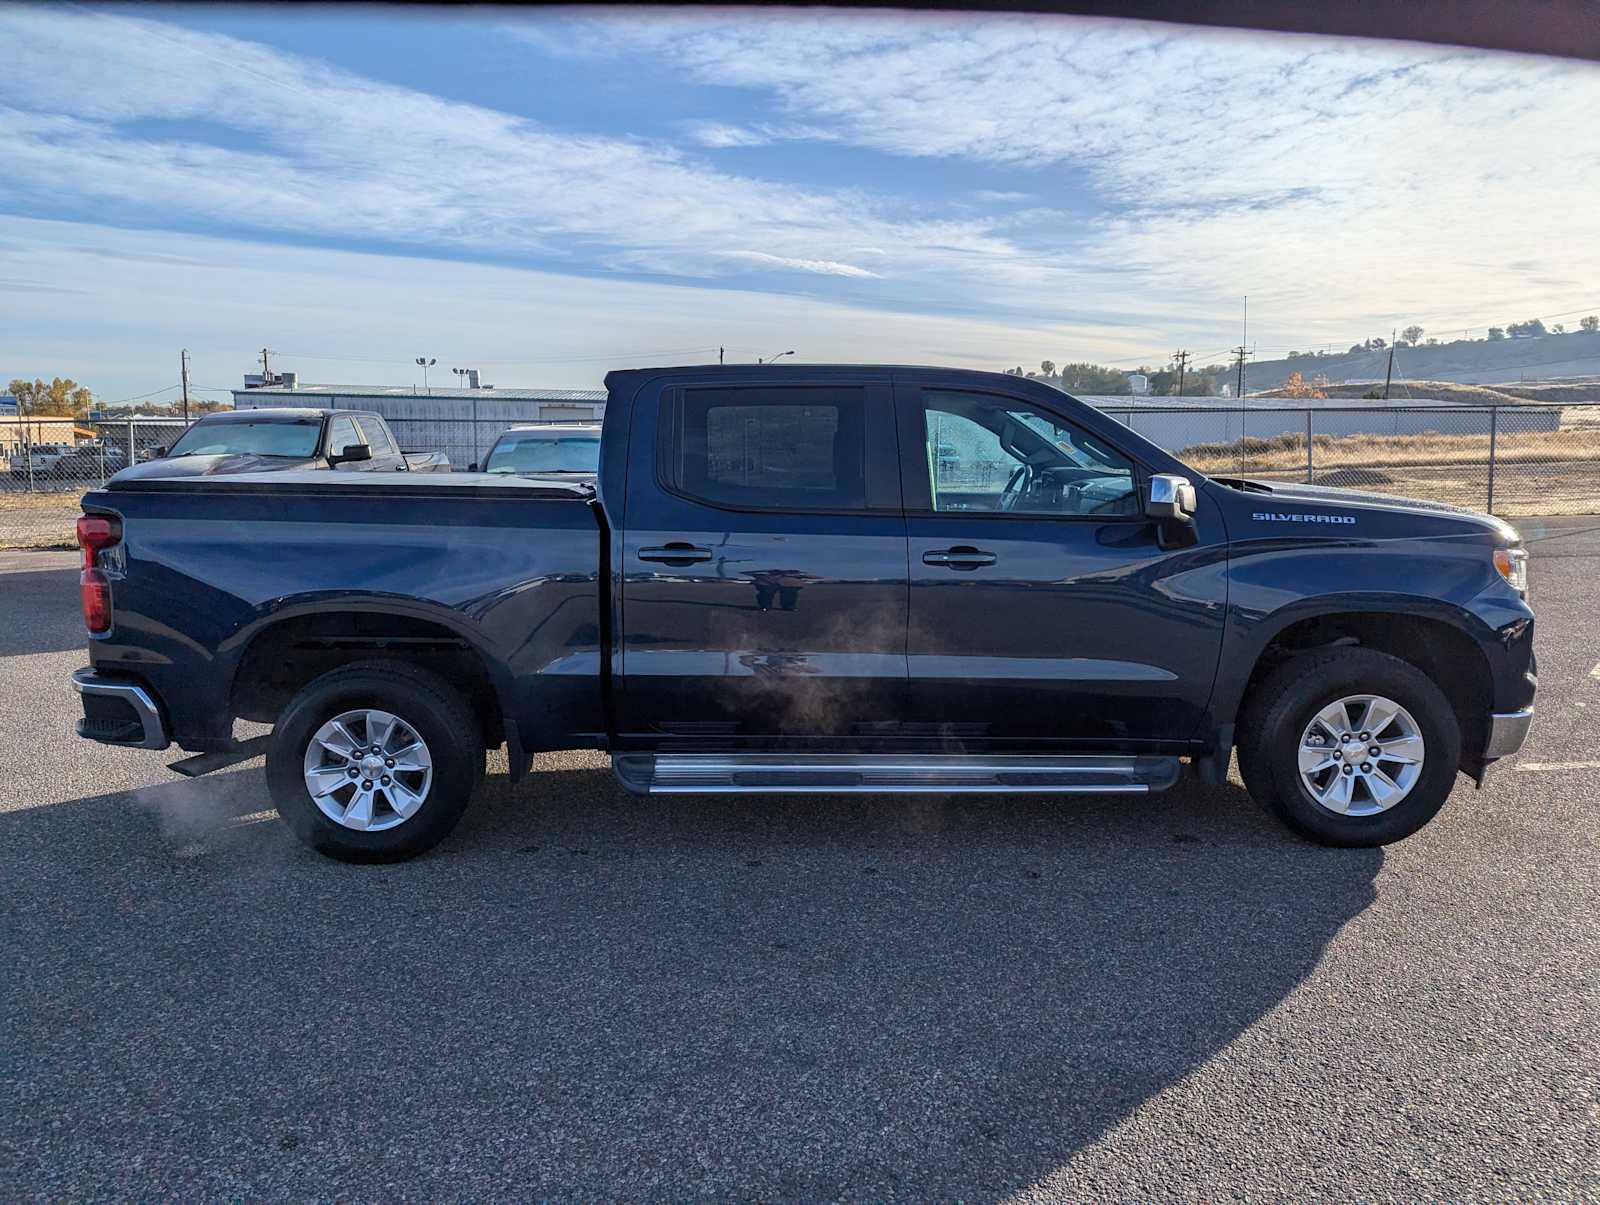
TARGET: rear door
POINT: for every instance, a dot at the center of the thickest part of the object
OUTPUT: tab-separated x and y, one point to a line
764	563
1043	607
384	453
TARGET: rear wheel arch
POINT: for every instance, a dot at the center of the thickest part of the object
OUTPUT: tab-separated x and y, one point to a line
279	656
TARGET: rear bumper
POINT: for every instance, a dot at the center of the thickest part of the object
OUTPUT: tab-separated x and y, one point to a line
117	711
1507	731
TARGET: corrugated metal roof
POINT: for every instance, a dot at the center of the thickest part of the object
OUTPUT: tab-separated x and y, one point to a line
309	392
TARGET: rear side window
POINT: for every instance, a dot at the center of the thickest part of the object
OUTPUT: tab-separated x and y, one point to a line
778	448
377	437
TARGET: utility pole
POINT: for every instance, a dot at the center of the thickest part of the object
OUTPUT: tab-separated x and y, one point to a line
1240	353
183	359
721	351
266	373
1388	374
1182	359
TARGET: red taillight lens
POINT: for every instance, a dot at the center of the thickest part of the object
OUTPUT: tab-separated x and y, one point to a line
96	533
95	591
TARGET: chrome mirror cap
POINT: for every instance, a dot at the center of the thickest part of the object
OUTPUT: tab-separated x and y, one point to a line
1171	497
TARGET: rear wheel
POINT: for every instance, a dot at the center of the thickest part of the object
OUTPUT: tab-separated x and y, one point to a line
375	762
1351	747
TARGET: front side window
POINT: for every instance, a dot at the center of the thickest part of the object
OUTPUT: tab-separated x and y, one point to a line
989	453
296	439
342	436
800	449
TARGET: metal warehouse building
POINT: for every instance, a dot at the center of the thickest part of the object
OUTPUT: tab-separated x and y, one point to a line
462	423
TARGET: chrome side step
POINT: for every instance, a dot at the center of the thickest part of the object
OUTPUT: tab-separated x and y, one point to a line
877	774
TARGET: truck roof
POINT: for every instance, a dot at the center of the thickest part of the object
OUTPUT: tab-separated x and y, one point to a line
280	414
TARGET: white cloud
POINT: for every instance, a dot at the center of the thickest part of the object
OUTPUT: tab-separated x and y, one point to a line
118	304
335	155
1342	184
823	267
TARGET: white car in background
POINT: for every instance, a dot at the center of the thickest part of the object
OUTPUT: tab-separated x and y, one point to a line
542	449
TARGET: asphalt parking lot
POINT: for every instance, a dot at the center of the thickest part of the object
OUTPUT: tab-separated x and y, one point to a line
583	994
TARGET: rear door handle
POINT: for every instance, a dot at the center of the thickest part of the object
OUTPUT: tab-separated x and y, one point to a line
675	553
962	556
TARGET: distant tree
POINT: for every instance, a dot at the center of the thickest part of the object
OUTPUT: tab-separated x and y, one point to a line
1094	378
60	397
1356	348
1591	323
1496	332
1432	342
1412	335
1376	344
1015	372
1559	328
1525	330
1047	368
1296	386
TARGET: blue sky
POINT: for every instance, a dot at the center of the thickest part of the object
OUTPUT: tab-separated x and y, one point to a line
543	195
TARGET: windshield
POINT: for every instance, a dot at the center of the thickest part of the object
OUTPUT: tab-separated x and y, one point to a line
296	439
535	453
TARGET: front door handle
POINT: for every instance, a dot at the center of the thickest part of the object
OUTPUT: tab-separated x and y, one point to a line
675	553
962	556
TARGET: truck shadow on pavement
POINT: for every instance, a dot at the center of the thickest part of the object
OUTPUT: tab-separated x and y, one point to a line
585	994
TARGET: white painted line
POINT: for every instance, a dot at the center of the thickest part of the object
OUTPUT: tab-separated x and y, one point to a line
1557	765
1595	672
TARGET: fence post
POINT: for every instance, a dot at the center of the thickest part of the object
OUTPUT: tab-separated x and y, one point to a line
1308	446
1494	429
132	455
27	436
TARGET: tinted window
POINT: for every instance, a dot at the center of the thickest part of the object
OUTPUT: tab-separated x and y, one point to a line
342	436
799	449
377	437
297	439
996	454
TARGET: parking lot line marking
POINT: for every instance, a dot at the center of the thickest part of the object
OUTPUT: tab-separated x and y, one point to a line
1595	672
1558	765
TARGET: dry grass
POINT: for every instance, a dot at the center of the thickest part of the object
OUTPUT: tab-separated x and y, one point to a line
38	520
1288	451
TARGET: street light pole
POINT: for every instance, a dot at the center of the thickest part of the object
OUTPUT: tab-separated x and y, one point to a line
779	356
424	363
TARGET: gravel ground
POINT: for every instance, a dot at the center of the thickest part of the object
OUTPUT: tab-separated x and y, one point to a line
586	995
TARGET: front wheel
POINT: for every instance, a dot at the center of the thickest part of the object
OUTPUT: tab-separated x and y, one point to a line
374	762
1351	747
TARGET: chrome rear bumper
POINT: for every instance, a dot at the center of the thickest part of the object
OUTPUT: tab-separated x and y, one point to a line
1507	731
143	730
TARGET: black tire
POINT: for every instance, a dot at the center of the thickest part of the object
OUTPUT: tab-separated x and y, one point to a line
428	704
1280	708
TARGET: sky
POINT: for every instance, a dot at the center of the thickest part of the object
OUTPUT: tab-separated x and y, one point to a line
543	196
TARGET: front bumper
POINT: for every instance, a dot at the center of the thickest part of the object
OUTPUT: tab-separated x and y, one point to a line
1507	731
117	711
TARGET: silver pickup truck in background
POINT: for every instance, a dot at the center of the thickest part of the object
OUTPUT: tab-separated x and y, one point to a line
271	441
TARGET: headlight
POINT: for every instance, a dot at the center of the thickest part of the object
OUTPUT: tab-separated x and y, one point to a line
1513	566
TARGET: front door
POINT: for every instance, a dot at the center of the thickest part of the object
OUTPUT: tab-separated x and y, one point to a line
1043	608
764	565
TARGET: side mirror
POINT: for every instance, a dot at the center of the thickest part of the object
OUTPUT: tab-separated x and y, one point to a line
351	454
157	452
473	467
1171	497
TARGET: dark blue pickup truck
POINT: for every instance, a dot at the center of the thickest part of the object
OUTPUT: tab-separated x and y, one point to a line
812	579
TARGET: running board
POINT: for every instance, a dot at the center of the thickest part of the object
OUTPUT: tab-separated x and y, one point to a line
878	774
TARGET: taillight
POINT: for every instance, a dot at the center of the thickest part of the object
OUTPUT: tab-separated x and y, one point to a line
95	534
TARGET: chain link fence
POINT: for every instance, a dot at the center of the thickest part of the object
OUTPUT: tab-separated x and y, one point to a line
1511	460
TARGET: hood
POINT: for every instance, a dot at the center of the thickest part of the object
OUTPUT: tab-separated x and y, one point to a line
210	466
1333	498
